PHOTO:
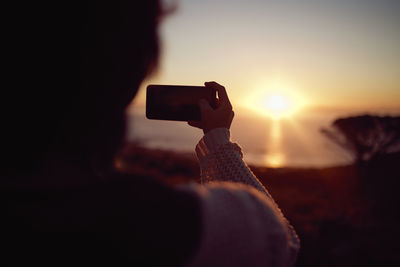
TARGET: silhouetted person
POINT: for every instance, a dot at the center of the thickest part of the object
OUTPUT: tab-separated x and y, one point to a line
73	67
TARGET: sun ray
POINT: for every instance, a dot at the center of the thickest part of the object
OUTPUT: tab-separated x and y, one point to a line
275	101
274	157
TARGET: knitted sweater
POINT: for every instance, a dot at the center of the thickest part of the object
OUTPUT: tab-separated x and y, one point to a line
242	225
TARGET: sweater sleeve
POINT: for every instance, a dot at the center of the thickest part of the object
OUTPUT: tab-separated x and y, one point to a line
242	225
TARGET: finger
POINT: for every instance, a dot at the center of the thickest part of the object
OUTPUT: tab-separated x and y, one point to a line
196	124
204	106
222	95
231	118
217	103
213	85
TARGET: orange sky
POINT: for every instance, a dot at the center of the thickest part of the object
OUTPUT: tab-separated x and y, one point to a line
325	54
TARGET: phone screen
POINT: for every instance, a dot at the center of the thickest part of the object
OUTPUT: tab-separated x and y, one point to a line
177	102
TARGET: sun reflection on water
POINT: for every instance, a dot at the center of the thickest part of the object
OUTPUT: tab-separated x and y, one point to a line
275	158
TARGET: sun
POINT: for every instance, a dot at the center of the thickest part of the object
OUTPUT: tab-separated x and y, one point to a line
276	102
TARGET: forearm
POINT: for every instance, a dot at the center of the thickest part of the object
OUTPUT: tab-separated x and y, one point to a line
221	160
242	225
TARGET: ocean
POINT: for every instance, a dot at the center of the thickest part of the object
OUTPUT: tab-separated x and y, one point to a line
296	142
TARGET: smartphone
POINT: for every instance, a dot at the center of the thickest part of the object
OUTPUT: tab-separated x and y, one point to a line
177	102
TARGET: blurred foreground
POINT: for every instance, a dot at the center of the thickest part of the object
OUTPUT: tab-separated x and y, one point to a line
345	216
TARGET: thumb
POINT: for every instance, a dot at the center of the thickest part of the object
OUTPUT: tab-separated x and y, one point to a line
204	105
196	124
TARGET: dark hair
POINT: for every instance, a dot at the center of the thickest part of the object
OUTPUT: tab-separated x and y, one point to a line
74	66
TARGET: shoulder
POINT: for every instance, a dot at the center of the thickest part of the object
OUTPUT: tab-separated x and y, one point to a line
241	226
125	219
160	223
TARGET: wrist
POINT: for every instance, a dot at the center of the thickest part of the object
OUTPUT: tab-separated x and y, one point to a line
212	140
217	136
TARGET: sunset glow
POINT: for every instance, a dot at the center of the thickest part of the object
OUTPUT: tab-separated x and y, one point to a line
277	106
275	101
290	68
274	157
239	45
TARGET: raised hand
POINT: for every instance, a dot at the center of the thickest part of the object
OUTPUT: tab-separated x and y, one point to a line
211	118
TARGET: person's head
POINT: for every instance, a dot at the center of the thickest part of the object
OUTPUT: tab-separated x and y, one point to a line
74	67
